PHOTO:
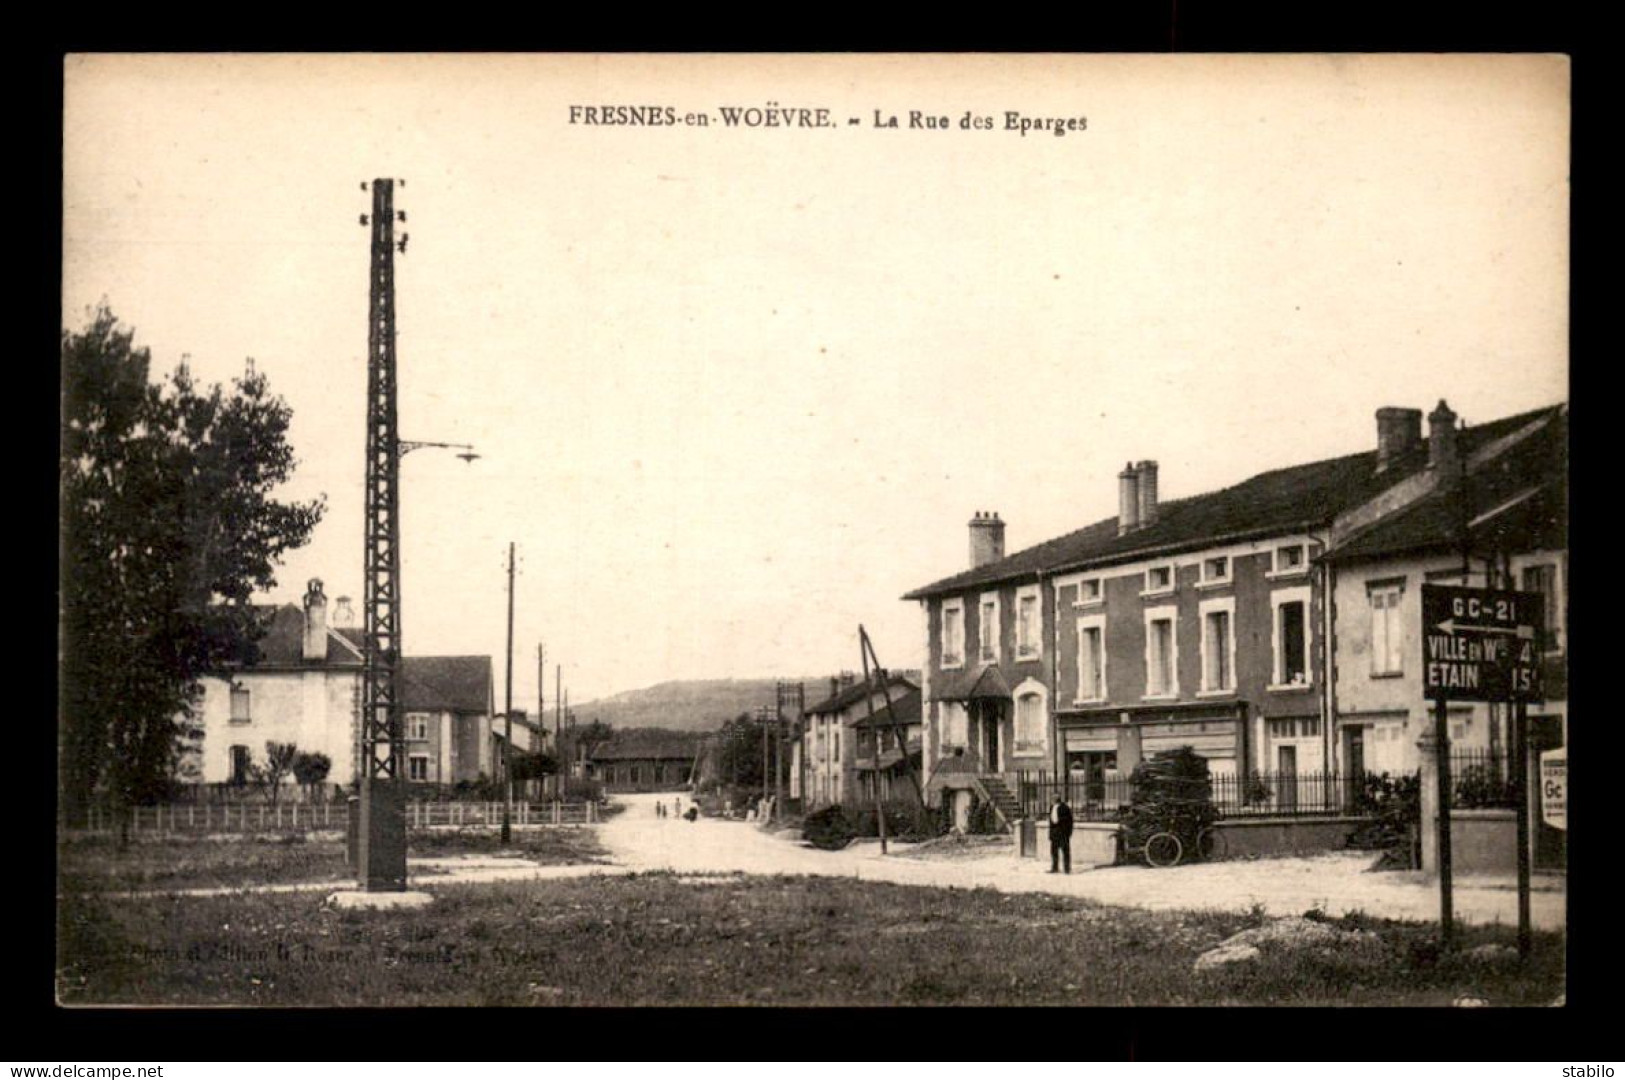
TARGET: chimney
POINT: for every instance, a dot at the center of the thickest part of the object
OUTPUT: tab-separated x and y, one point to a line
315	621
848	678
1147	471
1128	499
986	539
1399	431
343	613
1442	448
834	685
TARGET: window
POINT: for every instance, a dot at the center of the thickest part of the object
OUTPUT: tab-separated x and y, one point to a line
988	628
1028	624
953	634
1161	663
1030	722
1091	659
1543	579
1216	570
1089	591
239	705
1218	646
1387	632
417	727
1290	635
239	765
417	767
955	724
1159	579
637	774
1290	559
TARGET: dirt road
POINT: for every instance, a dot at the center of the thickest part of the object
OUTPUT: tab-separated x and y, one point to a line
1336	883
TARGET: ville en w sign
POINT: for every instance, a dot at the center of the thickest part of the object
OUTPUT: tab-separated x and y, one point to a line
1481	644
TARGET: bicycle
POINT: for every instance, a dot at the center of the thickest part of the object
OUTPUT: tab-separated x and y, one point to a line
1160	850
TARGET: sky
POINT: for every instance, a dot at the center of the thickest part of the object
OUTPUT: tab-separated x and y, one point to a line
737	389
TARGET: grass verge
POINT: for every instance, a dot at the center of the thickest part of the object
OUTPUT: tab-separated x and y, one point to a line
94	863
658	939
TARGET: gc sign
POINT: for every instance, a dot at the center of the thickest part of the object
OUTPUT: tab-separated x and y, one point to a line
1481	644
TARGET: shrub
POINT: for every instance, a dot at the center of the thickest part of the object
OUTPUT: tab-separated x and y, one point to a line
828	829
1393	806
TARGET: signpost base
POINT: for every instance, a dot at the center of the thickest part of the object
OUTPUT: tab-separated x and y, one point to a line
382	835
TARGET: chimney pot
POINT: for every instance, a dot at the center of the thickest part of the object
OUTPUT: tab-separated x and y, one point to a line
1442	445
1147	471
315	642
986	539
1128	499
1399	431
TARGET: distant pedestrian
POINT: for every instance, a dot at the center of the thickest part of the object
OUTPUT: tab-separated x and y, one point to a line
1060	834
728	808
677	805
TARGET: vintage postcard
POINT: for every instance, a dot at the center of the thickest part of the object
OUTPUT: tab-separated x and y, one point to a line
821	529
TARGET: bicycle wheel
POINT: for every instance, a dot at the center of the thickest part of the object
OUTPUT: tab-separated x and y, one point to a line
1163	849
1210	843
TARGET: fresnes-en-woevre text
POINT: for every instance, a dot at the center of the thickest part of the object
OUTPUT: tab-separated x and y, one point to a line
774	115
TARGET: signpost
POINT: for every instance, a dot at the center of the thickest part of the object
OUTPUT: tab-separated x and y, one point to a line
1482	645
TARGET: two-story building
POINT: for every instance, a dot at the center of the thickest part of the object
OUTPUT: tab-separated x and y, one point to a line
824	761
304	687
1200	621
1498	518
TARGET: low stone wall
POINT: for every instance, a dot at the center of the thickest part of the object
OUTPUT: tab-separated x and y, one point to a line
1094	843
1483	842
1286	836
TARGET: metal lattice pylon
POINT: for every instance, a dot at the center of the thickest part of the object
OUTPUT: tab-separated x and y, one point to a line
382	843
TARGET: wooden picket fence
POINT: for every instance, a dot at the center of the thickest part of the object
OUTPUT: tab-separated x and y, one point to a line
261	817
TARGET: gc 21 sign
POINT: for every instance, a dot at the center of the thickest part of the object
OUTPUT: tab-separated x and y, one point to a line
1481	644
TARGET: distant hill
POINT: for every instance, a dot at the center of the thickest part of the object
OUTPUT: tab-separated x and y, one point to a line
691	704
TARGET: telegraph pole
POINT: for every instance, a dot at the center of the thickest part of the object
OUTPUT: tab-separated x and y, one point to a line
507	717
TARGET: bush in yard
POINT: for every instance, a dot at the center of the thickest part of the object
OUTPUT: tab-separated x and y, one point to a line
310	771
828	829
1171	792
1393	807
906	820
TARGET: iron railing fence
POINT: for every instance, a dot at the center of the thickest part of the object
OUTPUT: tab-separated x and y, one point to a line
172	818
1481	779
1301	794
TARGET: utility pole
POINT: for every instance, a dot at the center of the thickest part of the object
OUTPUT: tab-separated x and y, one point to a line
558	718
381	837
507	717
541	705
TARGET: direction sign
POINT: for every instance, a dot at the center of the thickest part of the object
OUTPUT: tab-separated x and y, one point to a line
1554	787
1481	644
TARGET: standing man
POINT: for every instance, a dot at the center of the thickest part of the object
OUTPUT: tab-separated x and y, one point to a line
1060	834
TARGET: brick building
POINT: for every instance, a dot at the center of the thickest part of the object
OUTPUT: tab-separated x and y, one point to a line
1200	621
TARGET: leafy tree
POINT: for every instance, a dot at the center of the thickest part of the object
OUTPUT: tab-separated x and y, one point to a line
739	752
310	770
279	761
168	528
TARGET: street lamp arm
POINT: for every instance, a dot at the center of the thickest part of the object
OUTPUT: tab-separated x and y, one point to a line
406	446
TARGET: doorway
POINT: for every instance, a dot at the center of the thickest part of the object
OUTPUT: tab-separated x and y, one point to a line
1286	768
990	736
1353	766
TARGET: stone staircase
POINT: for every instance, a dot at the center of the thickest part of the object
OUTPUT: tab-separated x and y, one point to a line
1004	801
